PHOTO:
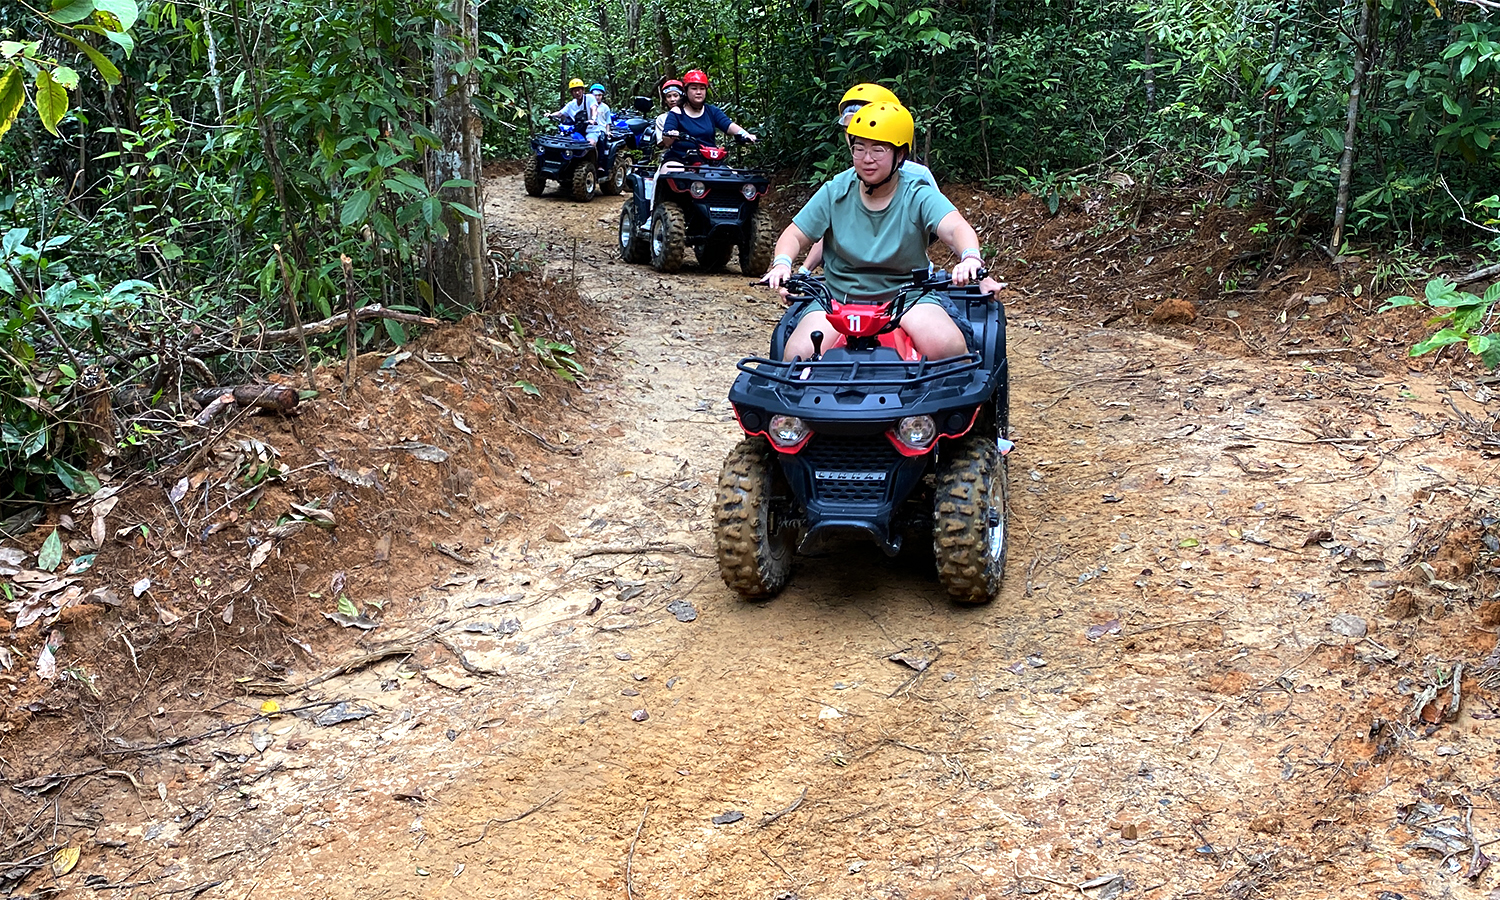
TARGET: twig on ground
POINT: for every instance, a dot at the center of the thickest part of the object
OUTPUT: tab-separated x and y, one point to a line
546	444
1204	721
405	648
1323	352
464	660
772	817
222	729
776	864
630	857
634	549
507	821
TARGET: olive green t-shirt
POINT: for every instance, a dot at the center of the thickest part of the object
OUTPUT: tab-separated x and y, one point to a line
872	254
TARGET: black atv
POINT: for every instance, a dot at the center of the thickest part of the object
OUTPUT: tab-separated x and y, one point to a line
567	157
709	206
869	439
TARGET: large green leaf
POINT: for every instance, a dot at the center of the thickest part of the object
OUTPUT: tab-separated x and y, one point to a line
67	12
125	11
50	556
51	100
75	479
355	208
125	41
12	98
107	69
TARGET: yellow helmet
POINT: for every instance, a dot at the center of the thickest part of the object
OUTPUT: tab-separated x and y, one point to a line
576	83
883	121
868	93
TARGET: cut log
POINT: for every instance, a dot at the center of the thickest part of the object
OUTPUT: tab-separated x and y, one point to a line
275	397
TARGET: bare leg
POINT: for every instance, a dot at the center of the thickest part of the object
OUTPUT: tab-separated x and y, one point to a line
800	342
932	332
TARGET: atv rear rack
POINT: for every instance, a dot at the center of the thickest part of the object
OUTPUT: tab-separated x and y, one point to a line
893	373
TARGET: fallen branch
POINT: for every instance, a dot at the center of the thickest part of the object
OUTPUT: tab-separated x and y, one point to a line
1478	274
354	665
212	732
630	858
464	660
215	406
771	817
261	339
635	549
1322	352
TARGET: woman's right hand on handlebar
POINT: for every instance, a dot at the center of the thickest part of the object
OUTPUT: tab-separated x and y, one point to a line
776	277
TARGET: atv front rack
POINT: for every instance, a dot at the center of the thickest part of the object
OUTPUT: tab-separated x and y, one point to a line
858	373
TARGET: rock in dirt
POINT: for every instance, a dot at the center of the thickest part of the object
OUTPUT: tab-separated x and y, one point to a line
683	610
728	818
556	534
492	601
1348	625
341	712
503	627
911	660
639	715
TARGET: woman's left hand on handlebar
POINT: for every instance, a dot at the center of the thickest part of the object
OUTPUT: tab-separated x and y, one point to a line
966	271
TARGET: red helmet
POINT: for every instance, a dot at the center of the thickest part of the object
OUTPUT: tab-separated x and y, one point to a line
697	76
671	83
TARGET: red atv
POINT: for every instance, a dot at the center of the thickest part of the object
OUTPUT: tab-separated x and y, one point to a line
869	439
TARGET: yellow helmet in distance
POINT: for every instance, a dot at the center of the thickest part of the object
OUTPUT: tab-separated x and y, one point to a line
576	83
868	93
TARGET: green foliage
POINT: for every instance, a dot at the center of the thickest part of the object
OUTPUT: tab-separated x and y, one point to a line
49	315
71	21
1464	317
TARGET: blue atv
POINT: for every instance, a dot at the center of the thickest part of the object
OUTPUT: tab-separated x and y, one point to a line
708	205
567	157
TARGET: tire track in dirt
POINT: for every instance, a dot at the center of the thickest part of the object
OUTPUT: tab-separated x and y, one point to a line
1156	694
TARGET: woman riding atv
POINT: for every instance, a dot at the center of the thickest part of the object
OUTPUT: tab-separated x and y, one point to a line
874	220
697	119
671	101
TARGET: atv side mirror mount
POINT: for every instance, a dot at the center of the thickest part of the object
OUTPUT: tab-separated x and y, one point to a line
817	341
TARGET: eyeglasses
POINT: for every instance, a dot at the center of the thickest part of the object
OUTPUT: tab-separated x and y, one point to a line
874	151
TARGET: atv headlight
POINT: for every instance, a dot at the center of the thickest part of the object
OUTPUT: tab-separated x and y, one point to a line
788	431
698	189
916	431
747	191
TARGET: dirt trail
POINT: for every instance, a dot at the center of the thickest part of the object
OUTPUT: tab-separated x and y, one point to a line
1157	695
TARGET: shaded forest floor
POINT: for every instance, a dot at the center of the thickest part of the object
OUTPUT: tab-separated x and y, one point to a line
1246	643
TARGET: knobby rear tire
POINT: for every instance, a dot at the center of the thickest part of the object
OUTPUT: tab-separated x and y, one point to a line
634	246
754	560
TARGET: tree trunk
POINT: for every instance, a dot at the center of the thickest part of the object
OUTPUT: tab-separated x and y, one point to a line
664	45
1363	48
458	258
609	47
1149	58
